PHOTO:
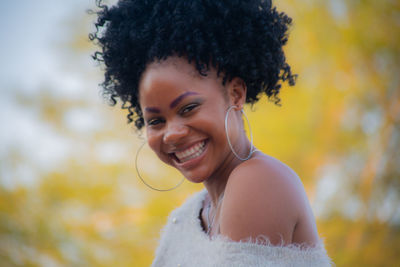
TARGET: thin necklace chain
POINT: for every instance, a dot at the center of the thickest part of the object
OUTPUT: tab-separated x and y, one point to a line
210	222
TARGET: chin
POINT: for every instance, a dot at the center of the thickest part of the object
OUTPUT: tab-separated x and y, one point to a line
195	180
195	176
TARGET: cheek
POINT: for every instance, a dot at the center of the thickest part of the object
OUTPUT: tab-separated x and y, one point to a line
155	143
213	123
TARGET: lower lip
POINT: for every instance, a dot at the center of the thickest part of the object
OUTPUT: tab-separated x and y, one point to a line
194	161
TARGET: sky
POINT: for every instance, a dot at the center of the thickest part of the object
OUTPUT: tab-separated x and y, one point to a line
33	57
29	31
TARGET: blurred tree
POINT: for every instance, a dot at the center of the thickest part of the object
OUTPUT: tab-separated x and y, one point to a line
350	133
338	129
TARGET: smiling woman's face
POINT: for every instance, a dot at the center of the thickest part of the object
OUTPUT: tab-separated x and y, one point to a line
184	116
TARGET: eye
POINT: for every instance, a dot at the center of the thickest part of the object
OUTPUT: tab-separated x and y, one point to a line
188	108
155	121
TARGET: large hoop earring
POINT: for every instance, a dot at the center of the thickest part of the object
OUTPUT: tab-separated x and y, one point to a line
148	185
252	150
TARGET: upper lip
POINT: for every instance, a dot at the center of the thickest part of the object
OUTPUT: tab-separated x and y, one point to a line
178	148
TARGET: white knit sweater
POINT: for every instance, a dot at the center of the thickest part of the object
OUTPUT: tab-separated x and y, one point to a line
184	243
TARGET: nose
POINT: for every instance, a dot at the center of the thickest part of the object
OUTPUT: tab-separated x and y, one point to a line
174	133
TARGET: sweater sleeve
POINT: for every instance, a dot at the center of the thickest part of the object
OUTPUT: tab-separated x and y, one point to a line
184	243
260	255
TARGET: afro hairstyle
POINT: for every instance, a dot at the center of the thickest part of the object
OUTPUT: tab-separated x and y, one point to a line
239	38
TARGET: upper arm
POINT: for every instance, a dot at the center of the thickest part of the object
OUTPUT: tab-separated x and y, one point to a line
261	200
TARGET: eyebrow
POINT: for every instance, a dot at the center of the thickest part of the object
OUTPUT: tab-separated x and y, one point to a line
180	98
152	110
173	104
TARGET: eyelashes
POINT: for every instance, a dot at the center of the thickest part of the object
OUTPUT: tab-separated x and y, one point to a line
154	122
188	108
184	111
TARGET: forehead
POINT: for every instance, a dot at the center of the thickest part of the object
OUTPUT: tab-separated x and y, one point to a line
179	64
171	76
165	77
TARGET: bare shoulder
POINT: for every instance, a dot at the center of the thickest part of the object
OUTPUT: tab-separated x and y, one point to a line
263	196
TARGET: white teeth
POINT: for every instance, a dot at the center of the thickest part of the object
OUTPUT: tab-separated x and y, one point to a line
191	152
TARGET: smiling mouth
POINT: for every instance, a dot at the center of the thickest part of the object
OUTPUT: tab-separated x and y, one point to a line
191	152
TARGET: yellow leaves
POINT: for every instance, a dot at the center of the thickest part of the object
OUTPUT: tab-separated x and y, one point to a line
345	109
360	243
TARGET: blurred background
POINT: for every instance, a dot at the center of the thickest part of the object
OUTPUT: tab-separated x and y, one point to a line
69	195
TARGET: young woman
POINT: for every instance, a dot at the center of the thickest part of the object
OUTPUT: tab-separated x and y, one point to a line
184	69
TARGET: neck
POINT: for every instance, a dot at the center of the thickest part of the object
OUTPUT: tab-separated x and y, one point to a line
216	183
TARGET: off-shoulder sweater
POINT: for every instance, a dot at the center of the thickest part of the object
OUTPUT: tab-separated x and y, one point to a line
184	243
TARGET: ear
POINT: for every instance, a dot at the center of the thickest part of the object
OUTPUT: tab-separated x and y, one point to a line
237	92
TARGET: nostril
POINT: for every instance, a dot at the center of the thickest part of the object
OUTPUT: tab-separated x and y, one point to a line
173	134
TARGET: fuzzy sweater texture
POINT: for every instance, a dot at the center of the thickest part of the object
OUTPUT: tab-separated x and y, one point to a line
184	243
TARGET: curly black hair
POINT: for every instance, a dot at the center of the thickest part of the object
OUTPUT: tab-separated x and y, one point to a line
239	38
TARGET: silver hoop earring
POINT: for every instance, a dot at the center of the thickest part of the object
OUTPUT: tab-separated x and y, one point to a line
252	150
140	177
